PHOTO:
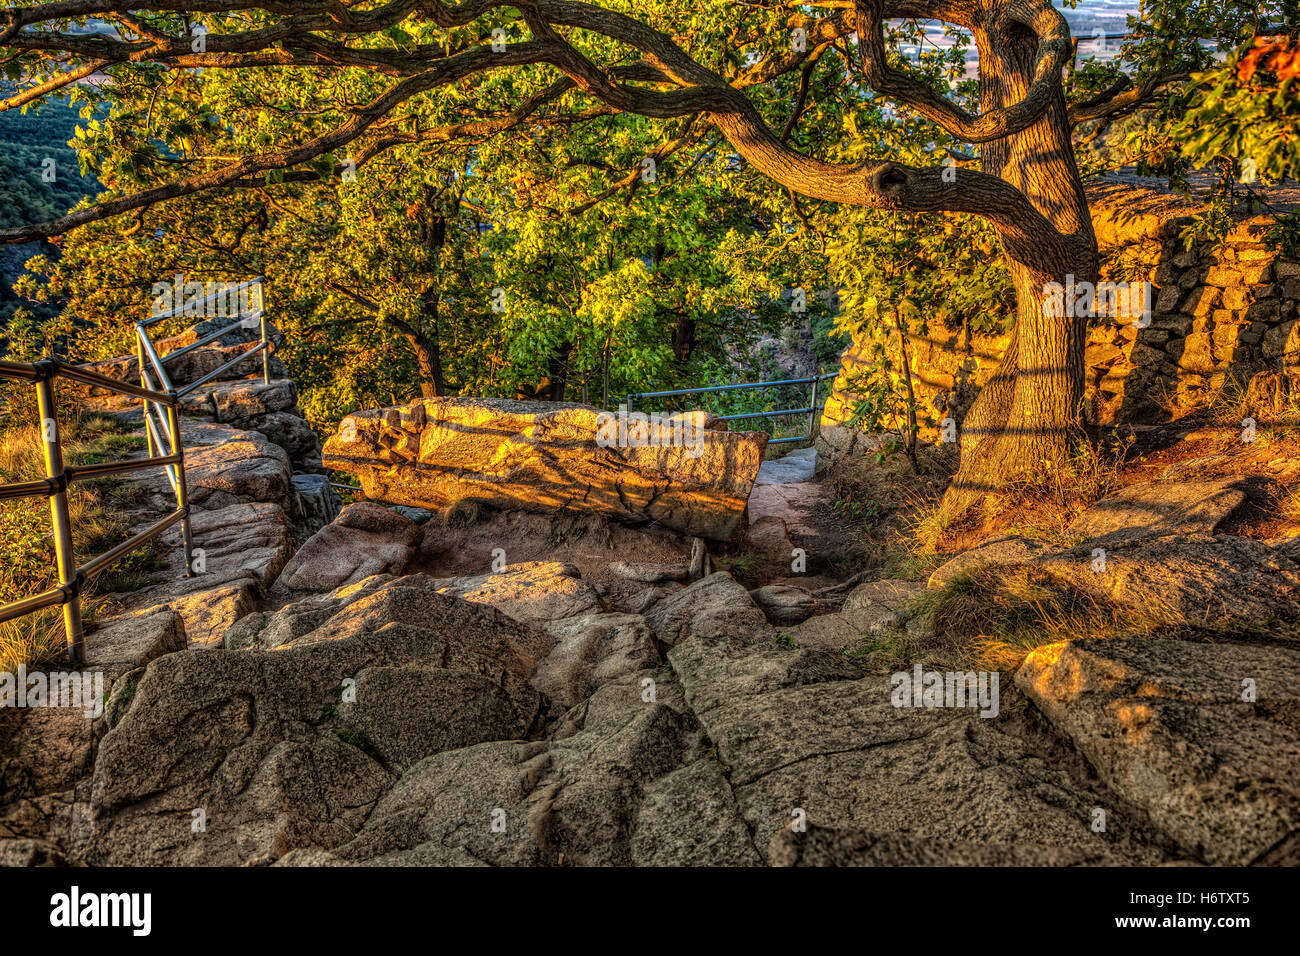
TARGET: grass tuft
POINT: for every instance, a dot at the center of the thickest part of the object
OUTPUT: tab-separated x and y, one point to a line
98	521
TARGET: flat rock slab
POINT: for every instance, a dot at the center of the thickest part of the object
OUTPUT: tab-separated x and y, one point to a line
843	630
532	592
868	609
1162	507
798	466
712	606
242	547
206	606
806	731
647	573
792	502
240	401
226	466
253	540
364	540
1165	725
543	456
123	644
1006	549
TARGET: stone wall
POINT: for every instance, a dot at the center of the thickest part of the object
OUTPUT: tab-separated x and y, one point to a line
1231	312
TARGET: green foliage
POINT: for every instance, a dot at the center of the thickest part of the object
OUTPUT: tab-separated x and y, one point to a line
39	180
1246	112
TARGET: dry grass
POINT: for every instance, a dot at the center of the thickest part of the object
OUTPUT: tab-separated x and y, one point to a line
887	505
993	617
98	522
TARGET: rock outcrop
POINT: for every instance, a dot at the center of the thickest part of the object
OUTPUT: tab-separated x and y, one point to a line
295	746
364	540
693	476
1205	738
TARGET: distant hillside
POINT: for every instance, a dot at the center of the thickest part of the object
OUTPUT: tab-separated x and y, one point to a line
26	143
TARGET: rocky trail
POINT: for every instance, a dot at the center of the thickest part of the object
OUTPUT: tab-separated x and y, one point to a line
545	652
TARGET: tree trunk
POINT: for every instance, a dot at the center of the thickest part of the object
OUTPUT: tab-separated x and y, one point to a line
1028	412
429	360
906	353
558	368
683	337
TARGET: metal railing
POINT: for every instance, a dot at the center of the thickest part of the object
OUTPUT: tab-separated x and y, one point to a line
810	411
160	401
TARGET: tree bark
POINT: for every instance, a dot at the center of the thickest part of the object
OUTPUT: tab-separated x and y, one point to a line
1027	414
428	358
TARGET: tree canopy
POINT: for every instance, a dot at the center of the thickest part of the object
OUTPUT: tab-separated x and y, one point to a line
562	198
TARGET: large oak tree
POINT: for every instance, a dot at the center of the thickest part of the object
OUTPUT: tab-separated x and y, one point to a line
359	79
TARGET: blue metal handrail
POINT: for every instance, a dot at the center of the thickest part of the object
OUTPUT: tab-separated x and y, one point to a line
810	411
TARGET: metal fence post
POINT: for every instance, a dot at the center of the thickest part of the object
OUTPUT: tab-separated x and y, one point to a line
812	415
144	383
266	342
60	518
182	493
266	352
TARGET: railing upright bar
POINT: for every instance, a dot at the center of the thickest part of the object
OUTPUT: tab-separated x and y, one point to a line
182	492
154	431
144	383
163	379
61	519
266	345
812	411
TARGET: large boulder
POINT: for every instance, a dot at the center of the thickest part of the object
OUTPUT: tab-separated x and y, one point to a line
236	757
542	456
603	794
808	738
532	591
364	540
713	606
1162	507
1205	738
